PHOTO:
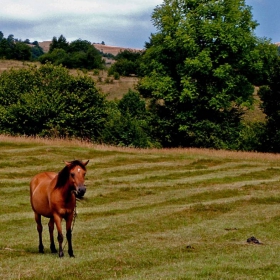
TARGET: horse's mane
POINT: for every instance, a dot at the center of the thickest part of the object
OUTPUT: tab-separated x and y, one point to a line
63	175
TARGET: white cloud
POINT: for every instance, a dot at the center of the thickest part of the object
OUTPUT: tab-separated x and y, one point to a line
41	9
127	21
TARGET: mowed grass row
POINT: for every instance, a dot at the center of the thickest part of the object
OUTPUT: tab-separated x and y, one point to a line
147	214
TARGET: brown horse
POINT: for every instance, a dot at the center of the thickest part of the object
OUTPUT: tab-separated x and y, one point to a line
53	195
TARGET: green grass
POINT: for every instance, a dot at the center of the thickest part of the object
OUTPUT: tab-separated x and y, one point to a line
147	214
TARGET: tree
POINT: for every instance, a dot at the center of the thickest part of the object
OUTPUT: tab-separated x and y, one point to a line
79	46
36	51
127	63
21	51
197	71
127	123
59	43
77	54
269	93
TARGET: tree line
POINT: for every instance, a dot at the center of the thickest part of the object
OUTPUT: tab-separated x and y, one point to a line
197	74
11	48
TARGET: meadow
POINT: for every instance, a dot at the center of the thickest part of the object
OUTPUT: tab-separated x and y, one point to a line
114	89
147	214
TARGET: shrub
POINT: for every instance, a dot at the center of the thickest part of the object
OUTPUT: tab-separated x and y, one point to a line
128	123
41	101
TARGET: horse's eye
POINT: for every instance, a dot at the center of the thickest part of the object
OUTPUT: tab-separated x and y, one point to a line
72	175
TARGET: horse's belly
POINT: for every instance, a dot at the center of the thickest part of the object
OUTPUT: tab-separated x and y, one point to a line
40	205
39	195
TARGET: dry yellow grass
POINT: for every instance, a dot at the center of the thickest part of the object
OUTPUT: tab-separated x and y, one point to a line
14	64
168	151
114	89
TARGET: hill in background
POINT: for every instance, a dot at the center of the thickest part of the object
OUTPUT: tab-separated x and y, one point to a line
45	45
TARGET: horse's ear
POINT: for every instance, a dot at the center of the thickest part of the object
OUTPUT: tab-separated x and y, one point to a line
67	163
85	162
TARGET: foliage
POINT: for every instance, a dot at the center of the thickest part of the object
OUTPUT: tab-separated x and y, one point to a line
11	48
127	63
252	137
78	54
60	43
128	123
270	96
48	101
198	71
36	52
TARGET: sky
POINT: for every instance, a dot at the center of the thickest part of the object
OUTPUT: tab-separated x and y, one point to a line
125	23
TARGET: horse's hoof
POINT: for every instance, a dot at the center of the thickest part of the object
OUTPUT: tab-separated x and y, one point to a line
41	249
53	249
71	254
61	254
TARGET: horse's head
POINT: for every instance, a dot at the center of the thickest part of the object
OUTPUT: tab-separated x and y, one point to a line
77	172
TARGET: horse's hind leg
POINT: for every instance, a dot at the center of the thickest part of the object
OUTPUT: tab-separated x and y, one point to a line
39	229
51	229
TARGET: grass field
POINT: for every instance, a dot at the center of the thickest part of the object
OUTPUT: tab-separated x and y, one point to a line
147	214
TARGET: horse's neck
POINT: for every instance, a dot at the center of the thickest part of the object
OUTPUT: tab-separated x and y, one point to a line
65	191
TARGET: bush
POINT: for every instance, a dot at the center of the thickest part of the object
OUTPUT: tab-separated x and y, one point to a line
116	76
48	101
128	123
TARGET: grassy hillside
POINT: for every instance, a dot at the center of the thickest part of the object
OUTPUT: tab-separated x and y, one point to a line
114	89
147	214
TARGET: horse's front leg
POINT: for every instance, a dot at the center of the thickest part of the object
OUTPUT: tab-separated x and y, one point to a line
39	229
57	220
51	228
69	234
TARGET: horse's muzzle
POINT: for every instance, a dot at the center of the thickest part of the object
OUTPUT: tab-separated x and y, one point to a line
80	192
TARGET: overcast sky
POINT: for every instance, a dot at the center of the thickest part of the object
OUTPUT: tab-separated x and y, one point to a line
125	23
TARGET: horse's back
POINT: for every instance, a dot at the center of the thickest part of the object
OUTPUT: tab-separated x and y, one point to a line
40	187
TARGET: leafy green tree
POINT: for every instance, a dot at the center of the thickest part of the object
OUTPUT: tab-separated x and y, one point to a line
94	59
77	54
11	48
127	123
132	104
59	43
130	55
56	57
197	71
127	63
21	51
5	50
79	46
36	51
269	93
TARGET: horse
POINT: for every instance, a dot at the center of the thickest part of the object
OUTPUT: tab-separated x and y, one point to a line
53	195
